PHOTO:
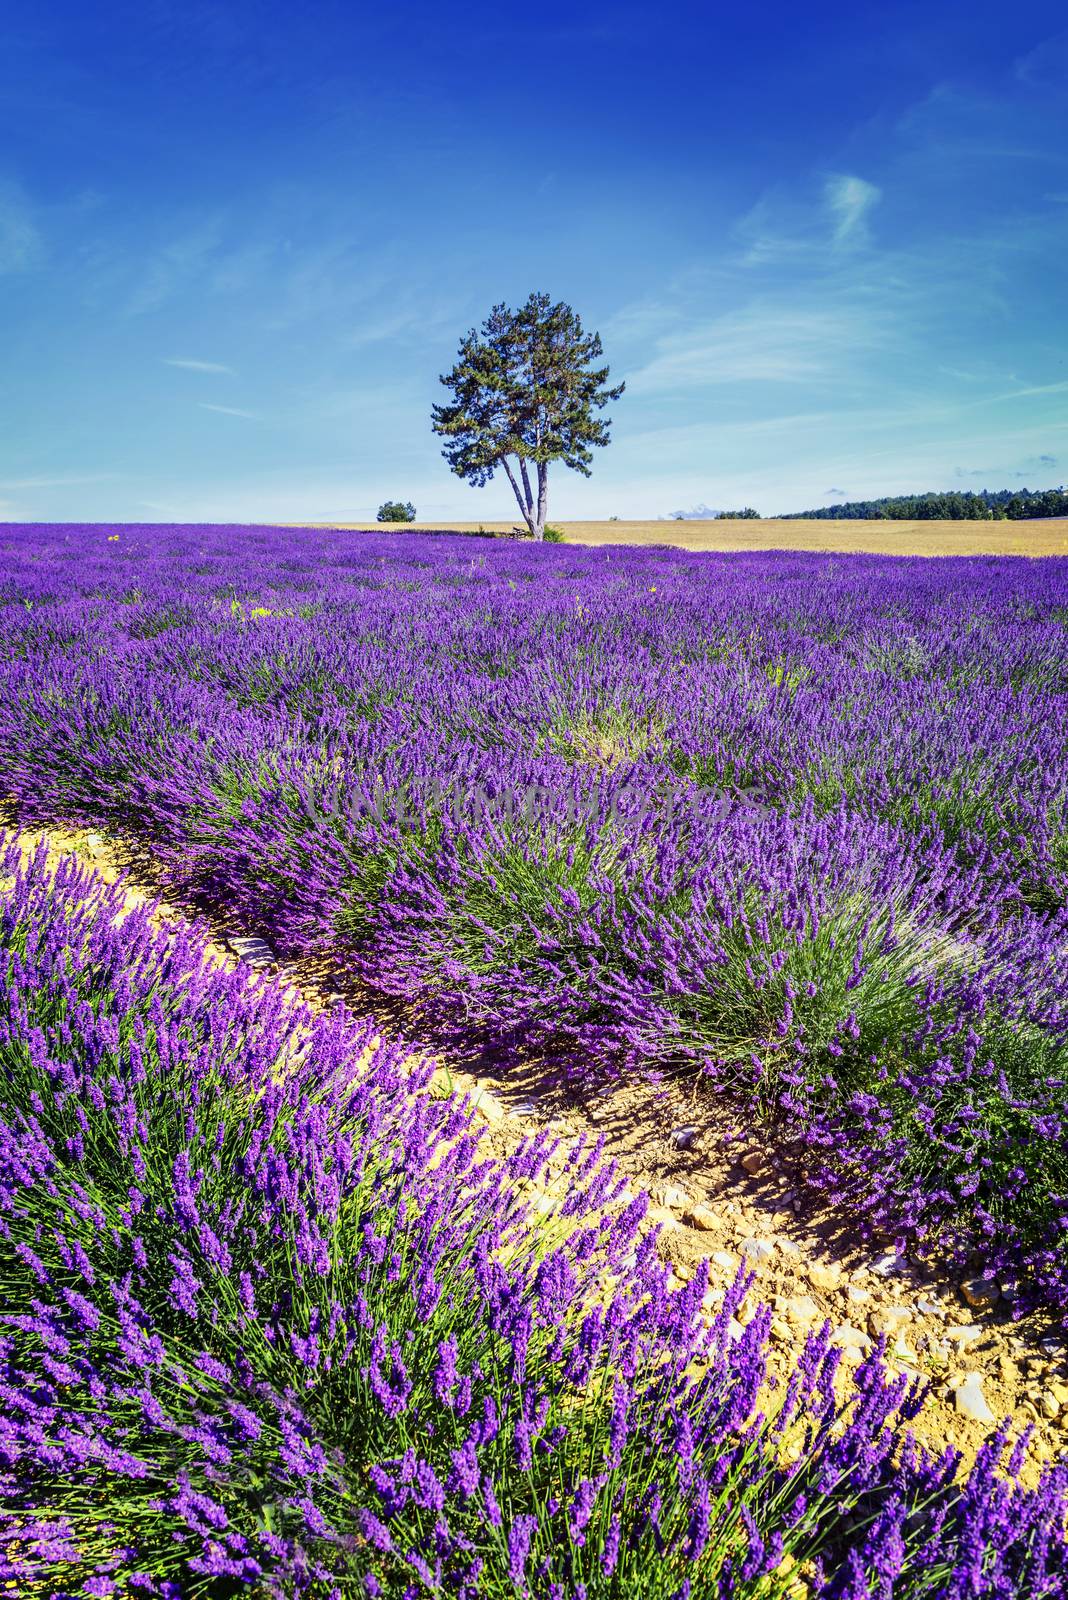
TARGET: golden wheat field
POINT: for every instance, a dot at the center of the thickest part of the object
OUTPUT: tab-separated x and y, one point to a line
1045	537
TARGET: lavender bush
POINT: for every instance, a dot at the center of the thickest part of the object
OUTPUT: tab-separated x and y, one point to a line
797	823
272	1323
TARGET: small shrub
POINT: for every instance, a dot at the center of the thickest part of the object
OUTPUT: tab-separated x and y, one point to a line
396	511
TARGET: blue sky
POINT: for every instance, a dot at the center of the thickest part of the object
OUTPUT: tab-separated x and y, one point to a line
825	245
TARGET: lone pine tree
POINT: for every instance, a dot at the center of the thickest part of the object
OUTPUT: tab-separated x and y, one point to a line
526	387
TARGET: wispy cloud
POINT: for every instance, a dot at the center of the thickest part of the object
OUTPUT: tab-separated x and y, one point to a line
1047	63
1060	387
20	242
189	365
850	200
762	342
174	267
62	481
229	411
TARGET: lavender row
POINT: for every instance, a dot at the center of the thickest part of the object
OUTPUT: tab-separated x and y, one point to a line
795	823
272	1322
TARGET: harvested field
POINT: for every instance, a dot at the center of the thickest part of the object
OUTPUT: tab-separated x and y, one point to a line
1048	537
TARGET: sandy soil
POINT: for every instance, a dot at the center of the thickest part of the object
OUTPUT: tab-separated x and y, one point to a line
1044	537
718	1196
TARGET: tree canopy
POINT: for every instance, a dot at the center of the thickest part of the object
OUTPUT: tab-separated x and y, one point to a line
396	511
526	386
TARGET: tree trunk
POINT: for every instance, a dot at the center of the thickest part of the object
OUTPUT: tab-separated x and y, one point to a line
528	515
543	497
526	485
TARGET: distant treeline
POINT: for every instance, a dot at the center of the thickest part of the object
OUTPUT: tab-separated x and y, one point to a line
986	505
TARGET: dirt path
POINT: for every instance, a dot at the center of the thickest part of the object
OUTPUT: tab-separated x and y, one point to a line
718	1197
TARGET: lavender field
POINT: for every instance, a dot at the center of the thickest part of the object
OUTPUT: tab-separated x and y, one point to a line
796	825
791	828
274	1324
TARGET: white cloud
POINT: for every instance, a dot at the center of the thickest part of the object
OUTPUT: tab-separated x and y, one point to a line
849	200
229	411
190	365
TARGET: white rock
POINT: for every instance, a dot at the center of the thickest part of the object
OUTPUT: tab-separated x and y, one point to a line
256	952
825	1278
801	1309
963	1336
887	1265
702	1217
970	1400
662	1217
757	1251
980	1292
489	1107
754	1161
889	1320
851	1338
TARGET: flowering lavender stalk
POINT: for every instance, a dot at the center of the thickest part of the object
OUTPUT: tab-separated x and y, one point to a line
271	1321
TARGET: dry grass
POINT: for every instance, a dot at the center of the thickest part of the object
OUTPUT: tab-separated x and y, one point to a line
1044	537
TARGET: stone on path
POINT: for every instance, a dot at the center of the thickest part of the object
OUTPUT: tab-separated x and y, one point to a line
825	1278
254	951
963	1336
799	1309
970	1400
980	1292
852	1338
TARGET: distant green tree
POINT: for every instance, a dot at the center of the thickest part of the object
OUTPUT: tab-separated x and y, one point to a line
952	505
396	511
525	386
747	514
